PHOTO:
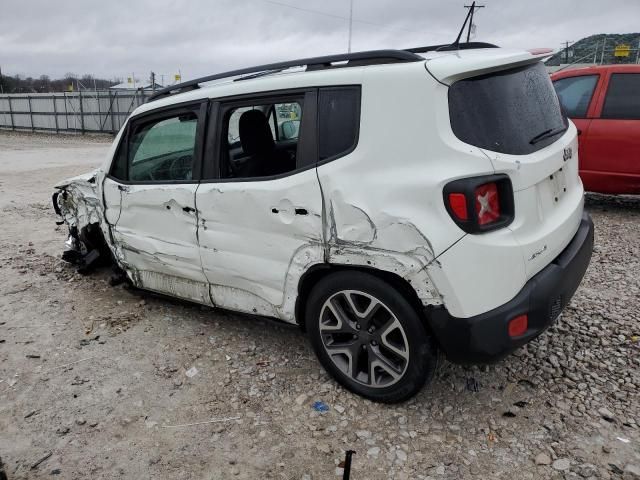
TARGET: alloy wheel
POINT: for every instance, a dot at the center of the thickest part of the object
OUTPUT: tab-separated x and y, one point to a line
364	339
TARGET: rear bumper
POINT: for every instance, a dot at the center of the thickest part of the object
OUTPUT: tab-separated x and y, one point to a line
484	338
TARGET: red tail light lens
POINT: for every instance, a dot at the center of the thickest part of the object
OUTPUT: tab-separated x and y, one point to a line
487	203
518	326
480	204
458	204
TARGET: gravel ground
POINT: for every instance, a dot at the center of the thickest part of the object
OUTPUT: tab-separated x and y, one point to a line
104	382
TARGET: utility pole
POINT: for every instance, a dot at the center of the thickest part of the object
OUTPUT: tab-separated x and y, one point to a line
566	50
350	24
1	82
604	42
153	82
473	8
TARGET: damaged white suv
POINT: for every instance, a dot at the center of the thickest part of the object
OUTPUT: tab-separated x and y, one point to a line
393	203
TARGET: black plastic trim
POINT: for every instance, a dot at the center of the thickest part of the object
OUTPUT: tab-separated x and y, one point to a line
450	47
484	338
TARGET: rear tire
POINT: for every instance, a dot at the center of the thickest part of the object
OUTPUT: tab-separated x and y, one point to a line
369	337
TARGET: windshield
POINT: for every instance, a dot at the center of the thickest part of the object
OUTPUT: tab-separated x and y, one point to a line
514	111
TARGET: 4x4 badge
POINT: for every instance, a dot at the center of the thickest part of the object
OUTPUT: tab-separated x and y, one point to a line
568	153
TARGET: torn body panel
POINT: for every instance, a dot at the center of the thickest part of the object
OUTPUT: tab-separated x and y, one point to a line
77	201
154	232
390	244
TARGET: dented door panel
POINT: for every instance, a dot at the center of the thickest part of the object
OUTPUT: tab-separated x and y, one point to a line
257	238
155	238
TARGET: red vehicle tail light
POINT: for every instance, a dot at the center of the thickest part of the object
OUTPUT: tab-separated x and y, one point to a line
458	203
518	326
487	203
480	204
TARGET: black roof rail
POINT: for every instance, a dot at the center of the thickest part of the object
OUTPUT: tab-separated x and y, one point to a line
372	57
448	47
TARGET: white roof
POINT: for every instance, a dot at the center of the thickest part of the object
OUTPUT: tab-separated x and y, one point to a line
445	66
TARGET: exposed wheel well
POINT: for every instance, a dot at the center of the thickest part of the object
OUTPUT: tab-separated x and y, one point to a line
317	272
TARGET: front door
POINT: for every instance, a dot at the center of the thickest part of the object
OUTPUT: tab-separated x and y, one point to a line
260	210
150	202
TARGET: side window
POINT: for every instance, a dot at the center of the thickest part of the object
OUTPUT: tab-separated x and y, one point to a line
158	150
163	149
339	121
575	94
261	140
286	119
623	97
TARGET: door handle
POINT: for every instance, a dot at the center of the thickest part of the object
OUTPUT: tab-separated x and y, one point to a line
123	188
298	211
188	209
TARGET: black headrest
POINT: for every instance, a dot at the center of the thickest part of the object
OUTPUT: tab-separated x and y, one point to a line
255	134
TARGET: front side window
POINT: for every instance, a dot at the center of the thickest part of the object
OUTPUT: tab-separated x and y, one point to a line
623	97
575	94
513	111
158	150
261	140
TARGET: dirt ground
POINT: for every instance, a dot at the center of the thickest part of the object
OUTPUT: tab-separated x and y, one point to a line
104	382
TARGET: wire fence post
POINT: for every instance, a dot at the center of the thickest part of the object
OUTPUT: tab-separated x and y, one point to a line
31	113
81	112
66	112
55	112
13	126
99	112
113	127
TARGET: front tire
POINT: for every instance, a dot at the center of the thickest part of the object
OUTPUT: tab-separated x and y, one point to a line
369	337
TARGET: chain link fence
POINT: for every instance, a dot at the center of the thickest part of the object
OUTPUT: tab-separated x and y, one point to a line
72	112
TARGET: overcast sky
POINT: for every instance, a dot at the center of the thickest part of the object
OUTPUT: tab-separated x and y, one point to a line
113	39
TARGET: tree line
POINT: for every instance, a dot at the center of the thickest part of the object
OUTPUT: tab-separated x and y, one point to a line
44	84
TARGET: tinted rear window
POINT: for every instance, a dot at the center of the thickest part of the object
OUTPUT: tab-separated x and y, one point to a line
623	97
339	121
514	111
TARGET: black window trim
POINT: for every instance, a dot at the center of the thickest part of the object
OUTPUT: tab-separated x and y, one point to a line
356	140
606	93
591	98
307	143
199	107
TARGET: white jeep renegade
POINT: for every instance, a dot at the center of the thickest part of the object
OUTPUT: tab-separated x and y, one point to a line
393	203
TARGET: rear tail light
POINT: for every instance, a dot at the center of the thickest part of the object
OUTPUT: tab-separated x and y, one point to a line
480	204
518	326
458	204
487	203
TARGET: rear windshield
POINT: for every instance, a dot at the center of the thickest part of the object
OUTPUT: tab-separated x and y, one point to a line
513	111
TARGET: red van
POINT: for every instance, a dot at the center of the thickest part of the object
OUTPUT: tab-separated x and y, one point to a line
604	103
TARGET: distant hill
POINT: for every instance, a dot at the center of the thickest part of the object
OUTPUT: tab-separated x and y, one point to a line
591	47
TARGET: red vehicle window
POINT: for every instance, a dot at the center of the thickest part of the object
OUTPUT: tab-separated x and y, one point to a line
623	97
575	94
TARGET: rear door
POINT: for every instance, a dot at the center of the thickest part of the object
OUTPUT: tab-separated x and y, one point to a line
259	204
576	95
613	141
150	201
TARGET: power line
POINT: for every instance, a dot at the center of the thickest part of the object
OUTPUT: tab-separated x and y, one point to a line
332	15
